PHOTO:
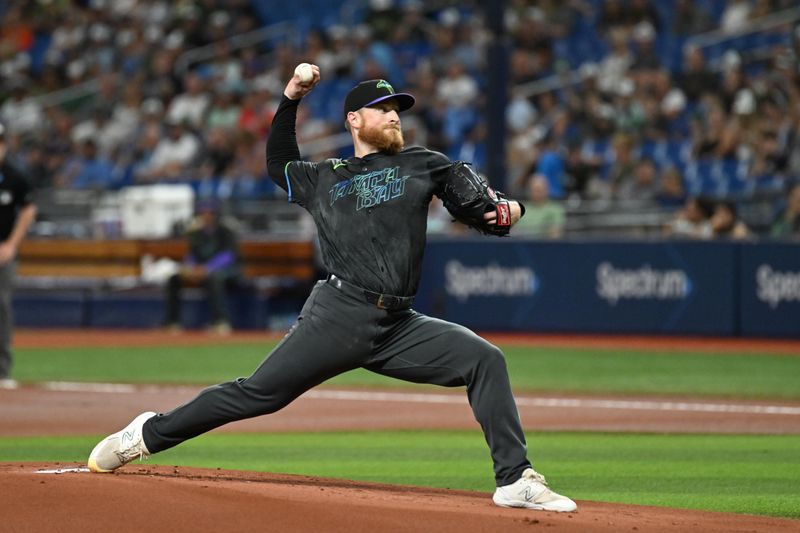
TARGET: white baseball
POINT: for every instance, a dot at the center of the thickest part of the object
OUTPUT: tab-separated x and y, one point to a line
304	72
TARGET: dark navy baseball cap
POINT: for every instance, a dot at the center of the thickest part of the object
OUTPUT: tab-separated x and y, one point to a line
371	92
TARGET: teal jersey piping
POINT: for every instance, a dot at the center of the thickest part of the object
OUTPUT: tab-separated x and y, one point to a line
288	183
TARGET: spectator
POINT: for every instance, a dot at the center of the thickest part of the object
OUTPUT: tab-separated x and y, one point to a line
212	263
696	79
98	128
550	164
20	114
533	35
731	85
689	18
769	159
125	116
614	66
630	110
440	221
672	193
18	34
381	16
57	146
255	113
735	15
787	225
173	155
472	148
543	216
36	167
87	170
224	111
17	212
725	222
613	15
217	154
225	72
672	122
457	92
693	220
646	58
717	135
644	11
623	164
138	160
341	58
160	82
317	51
643	188
580	170
189	107
247	173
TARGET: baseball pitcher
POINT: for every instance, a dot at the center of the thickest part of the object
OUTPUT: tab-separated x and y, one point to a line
371	213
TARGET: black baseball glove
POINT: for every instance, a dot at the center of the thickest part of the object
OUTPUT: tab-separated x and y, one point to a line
467	197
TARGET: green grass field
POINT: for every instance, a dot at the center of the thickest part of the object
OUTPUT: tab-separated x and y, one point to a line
531	369
731	473
743	474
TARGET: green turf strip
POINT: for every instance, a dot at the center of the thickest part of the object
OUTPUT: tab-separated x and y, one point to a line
730	473
532	369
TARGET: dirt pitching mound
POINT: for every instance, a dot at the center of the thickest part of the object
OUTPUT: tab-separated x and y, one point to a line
158	498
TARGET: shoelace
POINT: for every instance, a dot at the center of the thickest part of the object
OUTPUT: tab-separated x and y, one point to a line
132	452
533	475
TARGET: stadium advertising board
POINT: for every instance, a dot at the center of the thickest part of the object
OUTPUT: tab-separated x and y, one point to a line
770	290
665	287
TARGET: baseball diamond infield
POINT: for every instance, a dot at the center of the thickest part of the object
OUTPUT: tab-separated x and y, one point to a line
145	497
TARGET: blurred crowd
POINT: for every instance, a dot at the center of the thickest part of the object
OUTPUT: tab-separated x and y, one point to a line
100	94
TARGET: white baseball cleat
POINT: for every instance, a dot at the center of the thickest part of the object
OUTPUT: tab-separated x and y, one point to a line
121	447
530	491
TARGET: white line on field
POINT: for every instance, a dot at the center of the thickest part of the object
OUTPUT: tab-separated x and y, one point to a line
64	471
410	397
70	386
580	403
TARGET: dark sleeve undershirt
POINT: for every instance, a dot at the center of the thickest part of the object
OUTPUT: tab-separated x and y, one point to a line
282	141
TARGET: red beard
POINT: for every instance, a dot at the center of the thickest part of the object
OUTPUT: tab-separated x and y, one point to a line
385	139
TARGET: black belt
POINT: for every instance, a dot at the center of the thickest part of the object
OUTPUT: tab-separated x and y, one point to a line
381	301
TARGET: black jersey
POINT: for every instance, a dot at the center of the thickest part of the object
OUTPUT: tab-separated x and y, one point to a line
15	193
371	213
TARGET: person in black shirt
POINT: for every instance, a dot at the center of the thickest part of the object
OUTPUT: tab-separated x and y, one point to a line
17	212
212	262
371	213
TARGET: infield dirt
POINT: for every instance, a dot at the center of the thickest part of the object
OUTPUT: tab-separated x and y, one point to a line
159	498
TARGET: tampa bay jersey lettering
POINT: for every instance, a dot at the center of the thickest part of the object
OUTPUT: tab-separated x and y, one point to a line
371	189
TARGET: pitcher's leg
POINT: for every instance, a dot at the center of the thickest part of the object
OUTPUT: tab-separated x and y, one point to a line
307	356
428	350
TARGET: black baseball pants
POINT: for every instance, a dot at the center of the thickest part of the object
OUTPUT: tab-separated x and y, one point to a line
339	331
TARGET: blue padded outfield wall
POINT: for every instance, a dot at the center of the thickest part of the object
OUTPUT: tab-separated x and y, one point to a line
666	287
770	290
491	284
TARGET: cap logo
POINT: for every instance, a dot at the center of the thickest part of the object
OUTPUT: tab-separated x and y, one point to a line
383	84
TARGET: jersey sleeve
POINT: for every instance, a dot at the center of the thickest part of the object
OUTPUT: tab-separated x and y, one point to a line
301	179
438	165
